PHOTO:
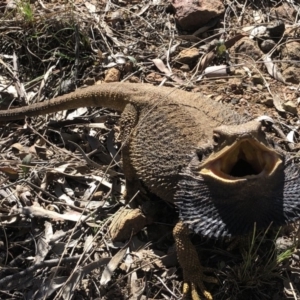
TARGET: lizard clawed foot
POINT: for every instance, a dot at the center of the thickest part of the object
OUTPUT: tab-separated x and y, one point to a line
192	285
189	261
126	223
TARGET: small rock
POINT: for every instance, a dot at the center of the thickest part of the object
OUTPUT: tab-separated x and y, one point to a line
235	85
292	74
134	79
234	101
188	56
240	72
246	50
257	79
267	45
219	98
267	102
260	87
284	12
112	75
290	53
291	50
243	102
154	77
290	107
185	68
191	15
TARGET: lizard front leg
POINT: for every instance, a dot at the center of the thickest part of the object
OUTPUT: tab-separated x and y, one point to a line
192	270
129	119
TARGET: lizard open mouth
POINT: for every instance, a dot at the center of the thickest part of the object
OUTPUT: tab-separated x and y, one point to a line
241	160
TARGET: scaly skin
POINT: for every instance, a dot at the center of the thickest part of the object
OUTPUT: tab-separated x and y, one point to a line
192	270
182	145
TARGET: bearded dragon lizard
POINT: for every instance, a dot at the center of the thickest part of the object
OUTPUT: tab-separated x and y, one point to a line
215	165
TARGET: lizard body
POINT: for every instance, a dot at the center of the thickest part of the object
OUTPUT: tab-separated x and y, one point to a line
197	153
162	127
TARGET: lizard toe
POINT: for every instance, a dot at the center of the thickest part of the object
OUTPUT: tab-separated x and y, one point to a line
193	284
190	290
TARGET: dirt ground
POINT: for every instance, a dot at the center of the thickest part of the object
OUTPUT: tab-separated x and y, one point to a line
56	204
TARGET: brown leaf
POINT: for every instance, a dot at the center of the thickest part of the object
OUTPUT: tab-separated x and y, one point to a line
272	69
278	103
229	43
161	67
12	173
112	265
77	276
137	286
206	60
43	247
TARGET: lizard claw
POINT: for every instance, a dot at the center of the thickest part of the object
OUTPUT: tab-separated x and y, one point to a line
191	286
189	261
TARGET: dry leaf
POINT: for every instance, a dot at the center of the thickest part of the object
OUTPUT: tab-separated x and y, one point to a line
43	247
278	103
91	7
272	69
88	243
231	42
77	276
147	260
206	60
112	265
19	147
39	212
12	173
77	113
290	136
161	67
49	286
137	286
23	193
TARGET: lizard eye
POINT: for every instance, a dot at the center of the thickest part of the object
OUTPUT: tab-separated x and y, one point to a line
216	138
267	123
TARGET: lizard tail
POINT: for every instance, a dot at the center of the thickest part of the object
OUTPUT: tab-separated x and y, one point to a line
113	95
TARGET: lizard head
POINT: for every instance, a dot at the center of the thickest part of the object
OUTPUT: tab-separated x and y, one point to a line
242	184
239	153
